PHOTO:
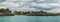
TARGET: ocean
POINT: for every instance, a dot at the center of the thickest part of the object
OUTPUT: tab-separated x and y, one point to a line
29	18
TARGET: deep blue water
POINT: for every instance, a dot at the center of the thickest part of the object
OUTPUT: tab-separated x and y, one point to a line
29	18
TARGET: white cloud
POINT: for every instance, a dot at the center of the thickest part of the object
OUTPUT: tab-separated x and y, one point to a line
40	0
26	0
24	5
25	8
58	1
34	4
43	5
2	7
13	4
54	4
52	1
56	10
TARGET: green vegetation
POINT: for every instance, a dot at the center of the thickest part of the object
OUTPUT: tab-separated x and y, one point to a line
7	12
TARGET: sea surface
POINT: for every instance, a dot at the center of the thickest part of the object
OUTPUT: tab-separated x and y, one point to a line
29	18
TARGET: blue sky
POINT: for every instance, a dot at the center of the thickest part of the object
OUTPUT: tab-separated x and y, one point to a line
51	6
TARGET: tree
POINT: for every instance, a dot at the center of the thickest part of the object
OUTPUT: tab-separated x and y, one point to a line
41	11
7	9
16	12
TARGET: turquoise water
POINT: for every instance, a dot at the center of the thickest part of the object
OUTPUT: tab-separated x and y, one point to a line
29	18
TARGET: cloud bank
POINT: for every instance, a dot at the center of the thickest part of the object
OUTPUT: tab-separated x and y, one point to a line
51	6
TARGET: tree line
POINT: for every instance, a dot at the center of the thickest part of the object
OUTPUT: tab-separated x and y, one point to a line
30	13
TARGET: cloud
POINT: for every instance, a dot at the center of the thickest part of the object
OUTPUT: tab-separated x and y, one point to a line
2	0
2	7
56	10
25	8
40	0
44	5
54	4
32	5
52	1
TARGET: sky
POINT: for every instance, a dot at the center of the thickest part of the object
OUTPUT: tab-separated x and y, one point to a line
50	6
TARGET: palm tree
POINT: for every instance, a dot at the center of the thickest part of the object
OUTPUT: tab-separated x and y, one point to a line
16	12
7	9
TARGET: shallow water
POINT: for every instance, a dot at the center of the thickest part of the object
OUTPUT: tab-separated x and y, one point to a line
29	18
